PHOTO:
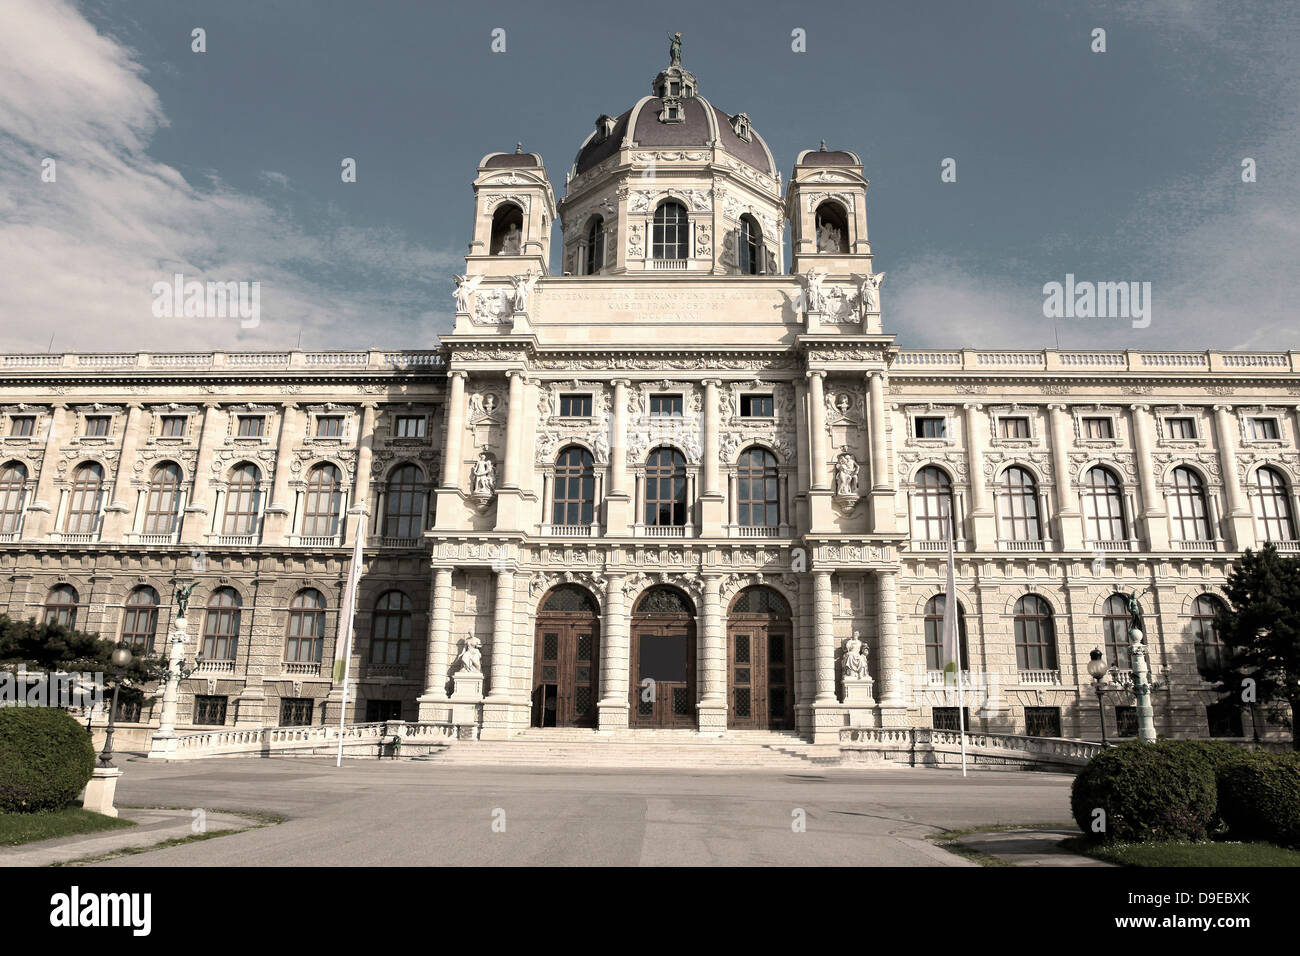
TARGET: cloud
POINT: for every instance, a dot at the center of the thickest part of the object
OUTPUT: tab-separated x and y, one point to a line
79	255
273	178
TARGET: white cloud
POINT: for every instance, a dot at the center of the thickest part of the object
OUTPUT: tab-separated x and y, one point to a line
79	256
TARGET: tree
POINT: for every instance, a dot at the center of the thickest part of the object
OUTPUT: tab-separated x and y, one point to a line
1260	631
26	645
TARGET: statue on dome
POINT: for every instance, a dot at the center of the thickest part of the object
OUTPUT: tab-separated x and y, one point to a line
511	244
675	49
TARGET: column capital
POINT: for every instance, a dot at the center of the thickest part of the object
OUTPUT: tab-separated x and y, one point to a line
1057	407
459	373
1139	407
516	372
1227	408
625	382
814	373
714	382
972	406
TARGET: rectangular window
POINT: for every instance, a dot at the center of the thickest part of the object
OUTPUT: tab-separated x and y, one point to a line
1043	721
409	426
329	426
22	426
251	426
1015	427
97	425
1181	429
1126	721
930	427
1264	429
665	406
377	710
209	711
295	711
945	718
575	406
173	426
128	711
756	406
1224	719
1098	428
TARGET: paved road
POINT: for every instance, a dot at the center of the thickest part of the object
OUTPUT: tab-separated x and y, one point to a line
411	813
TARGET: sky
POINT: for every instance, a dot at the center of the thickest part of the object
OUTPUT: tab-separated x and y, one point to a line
1122	165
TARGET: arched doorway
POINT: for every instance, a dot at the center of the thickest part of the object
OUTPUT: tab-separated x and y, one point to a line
760	661
663	660
566	656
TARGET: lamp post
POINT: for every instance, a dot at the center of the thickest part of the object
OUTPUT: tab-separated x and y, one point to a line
120	658
1142	686
1098	670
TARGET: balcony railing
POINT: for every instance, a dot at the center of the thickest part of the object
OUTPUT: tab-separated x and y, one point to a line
922	544
1284	547
317	540
154	539
75	537
393	541
574	530
1040	677
1010	544
235	540
668	265
664	531
1196	545
301	669
1123	544
8	536
216	667
385	670
758	531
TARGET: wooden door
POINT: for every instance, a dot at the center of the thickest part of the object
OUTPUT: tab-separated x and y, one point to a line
663	674
565	668
760	674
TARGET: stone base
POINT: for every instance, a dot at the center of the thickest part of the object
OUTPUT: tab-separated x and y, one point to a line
611	714
98	797
894	716
467	705
711	718
857	692
433	708
827	723
162	746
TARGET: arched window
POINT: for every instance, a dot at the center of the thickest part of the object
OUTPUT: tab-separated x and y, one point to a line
671	232
832	228
390	629
570	599
507	230
1018	494
931	504
1115	623
404	503
665	488
221	625
164	501
1187	511
140	619
593	249
13	483
87	493
757	498
934	659
1273	517
243	499
1205	636
305	637
61	606
574	498
1035	635
749	248
324	502
1103	506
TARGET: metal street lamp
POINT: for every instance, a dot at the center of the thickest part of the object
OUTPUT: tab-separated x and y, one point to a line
120	659
1099	670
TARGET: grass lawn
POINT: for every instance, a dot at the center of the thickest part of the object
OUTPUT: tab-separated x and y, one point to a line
1186	854
17	828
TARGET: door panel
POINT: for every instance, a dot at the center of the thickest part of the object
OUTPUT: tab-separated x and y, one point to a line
565	672
665	655
759	675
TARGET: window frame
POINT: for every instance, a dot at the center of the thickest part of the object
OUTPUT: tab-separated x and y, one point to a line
670	238
221	625
1039	653
673	476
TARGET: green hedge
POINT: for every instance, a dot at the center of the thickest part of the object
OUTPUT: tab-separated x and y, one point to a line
1149	791
46	758
1259	798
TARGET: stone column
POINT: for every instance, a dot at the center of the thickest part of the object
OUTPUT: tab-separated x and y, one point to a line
713	701
497	704
280	512
615	650
618	502
891	694
817	428
202	507
432	702
823	639
119	515
1154	527
712	502
43	506
514	430
357	522
800	518
1239	516
163	744
1067	502
983	523
455	417
883	518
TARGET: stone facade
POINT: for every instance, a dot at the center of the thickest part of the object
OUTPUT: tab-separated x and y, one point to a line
675	327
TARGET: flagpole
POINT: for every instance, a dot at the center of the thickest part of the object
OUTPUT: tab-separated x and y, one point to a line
952	633
347	614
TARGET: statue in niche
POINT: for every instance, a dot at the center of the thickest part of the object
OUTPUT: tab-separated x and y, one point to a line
855	658
465	286
512	243
846	475
484	476
471	655
828	237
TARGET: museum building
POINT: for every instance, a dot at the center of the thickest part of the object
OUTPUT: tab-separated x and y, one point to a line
684	484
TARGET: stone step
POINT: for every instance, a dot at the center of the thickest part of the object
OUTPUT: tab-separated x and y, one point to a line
536	750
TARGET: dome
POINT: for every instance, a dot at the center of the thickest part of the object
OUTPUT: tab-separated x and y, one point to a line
515	160
827	157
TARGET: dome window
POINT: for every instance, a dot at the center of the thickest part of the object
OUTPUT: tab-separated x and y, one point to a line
750	249
671	231
672	111
592	252
604	127
740	126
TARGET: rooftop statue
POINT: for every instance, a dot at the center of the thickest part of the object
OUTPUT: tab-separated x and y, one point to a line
675	49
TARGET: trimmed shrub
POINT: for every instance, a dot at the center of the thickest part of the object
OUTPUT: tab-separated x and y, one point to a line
46	758
1149	791
1259	798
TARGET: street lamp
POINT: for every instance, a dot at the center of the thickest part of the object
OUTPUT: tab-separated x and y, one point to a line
1098	670
120	659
